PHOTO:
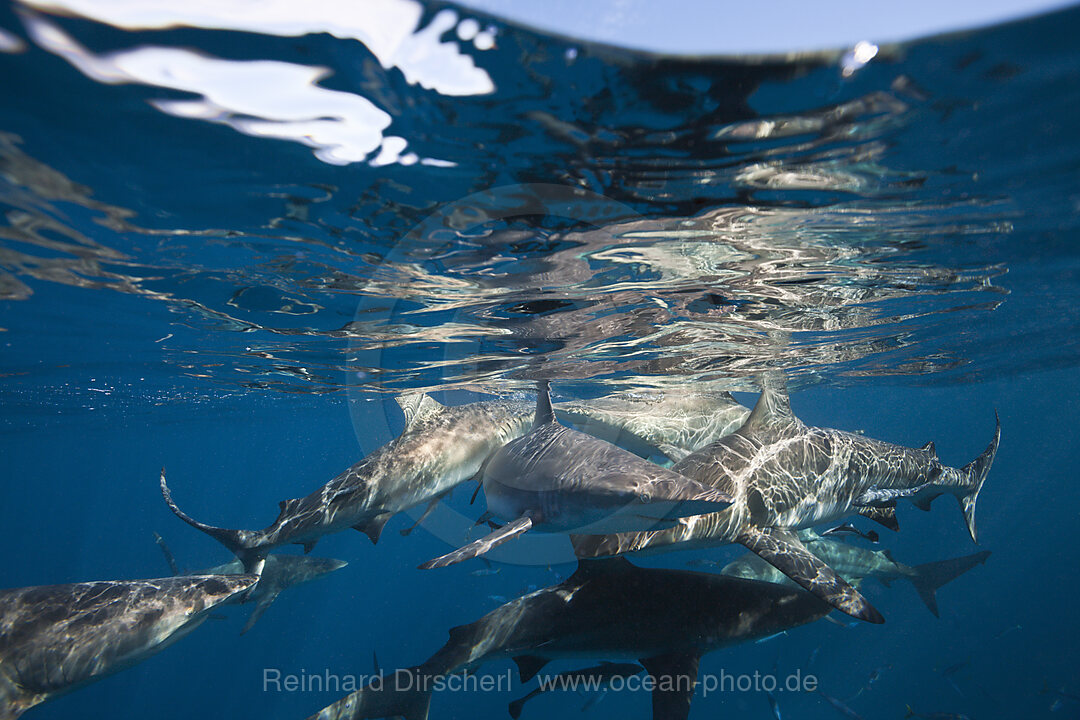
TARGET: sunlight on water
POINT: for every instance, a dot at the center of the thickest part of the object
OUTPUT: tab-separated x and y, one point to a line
754	214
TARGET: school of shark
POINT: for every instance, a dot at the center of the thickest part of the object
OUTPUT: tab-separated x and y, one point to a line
627	474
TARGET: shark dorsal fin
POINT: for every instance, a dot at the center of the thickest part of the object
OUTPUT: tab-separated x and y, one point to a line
773	408
929	447
416	406
595	567
544	414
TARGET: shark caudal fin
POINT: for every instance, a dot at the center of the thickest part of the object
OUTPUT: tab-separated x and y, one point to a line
927	578
405	693
975	474
239	542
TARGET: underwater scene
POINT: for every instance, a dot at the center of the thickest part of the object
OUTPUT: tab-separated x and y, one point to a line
657	386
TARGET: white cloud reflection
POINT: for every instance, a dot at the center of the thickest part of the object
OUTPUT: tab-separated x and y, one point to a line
388	28
268	98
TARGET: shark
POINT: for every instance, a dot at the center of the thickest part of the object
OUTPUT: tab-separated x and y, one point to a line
608	609
442	446
57	638
856	563
785	476
279	573
674	421
557	479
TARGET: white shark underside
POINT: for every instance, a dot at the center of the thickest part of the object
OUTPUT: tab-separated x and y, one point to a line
785	476
56	638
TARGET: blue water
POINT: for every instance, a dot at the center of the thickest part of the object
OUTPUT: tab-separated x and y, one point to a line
232	276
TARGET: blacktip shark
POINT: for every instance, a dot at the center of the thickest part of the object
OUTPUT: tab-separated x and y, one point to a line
785	476
855	563
57	638
279	573
440	447
608	609
556	479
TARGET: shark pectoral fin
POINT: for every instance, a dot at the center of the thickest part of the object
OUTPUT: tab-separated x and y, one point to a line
423	516
782	549
674	677
674	452
373	528
516	706
882	515
529	665
257	612
481	546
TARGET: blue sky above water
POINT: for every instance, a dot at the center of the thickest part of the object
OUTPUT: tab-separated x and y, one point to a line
698	26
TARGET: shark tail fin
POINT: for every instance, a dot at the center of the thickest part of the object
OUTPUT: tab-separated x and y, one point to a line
237	541
515	707
927	578
975	474
402	694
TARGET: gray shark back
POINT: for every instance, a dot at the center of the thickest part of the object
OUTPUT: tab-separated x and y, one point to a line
56	638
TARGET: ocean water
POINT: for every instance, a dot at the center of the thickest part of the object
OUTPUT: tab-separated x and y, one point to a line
230	238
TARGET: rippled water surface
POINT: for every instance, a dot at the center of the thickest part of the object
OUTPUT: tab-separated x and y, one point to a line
229	236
